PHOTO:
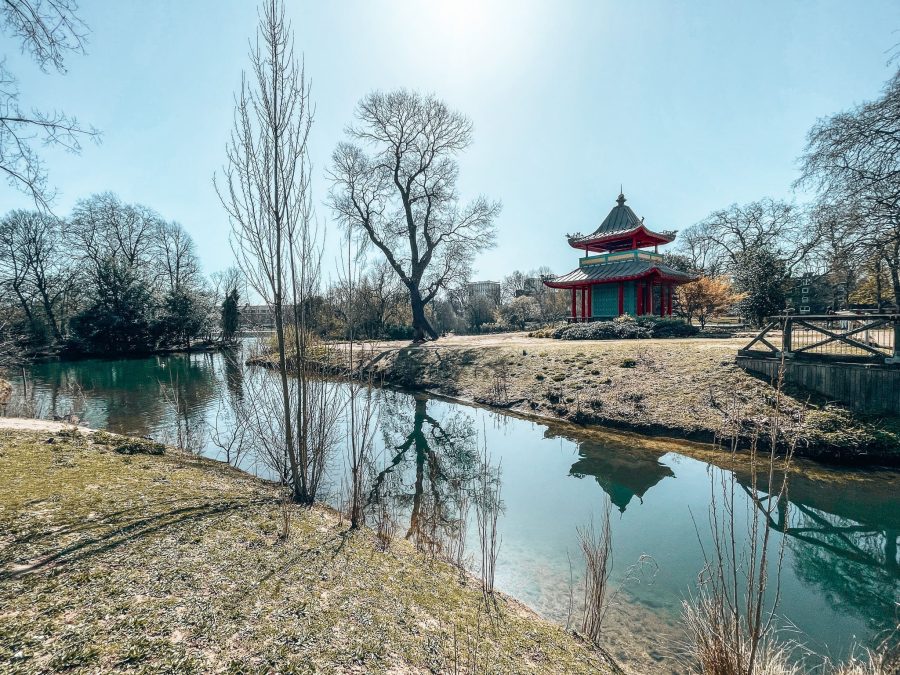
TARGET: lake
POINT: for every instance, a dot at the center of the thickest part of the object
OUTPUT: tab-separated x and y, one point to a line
840	579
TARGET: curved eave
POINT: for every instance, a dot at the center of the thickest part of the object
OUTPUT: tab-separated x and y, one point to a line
677	278
648	238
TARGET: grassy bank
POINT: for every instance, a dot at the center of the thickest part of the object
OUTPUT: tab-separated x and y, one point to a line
113	557
682	388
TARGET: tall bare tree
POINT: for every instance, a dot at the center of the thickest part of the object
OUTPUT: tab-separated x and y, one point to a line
14	266
48	30
853	160
718	243
266	192
102	229
403	195
34	267
175	257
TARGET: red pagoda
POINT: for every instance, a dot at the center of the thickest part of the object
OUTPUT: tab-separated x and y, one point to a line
622	278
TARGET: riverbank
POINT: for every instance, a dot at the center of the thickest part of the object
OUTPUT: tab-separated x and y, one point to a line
679	388
114	557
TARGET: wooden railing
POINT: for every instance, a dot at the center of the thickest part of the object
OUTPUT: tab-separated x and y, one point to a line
852	337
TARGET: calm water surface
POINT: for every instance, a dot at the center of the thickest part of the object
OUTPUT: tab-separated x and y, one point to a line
840	582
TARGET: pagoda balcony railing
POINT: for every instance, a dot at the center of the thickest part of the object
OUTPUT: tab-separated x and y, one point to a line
870	338
618	256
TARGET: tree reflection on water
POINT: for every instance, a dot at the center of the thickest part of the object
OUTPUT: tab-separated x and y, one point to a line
429	471
126	395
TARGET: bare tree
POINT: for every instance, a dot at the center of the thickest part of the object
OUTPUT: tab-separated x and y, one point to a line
700	247
224	282
488	506
34	268
403	196
266	192
175	256
731	621
853	160
597	550
48	30
14	265
718	243
362	410
102	228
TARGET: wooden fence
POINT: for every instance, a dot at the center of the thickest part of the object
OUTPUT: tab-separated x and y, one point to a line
870	338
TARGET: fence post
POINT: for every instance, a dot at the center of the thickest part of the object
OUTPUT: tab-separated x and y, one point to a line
896	351
786	341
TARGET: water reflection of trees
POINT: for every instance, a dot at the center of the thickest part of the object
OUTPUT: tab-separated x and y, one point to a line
124	395
233	370
854	562
855	566
428	470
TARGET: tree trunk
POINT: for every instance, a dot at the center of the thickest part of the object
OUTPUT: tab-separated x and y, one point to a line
895	281
32	322
51	317
422	330
893	263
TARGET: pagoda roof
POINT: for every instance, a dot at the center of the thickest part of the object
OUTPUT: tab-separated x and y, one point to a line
620	223
619	271
622	473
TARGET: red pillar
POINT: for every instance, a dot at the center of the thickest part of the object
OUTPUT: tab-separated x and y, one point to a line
650	297
573	304
582	303
669	306
621	298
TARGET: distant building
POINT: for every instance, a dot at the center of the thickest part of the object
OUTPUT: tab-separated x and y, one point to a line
257	316
263	316
484	289
815	294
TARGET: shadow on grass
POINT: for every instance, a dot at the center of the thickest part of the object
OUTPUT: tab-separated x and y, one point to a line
110	519
114	536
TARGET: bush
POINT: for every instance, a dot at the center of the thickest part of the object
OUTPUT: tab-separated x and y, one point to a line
666	327
604	330
398	332
625	328
139	446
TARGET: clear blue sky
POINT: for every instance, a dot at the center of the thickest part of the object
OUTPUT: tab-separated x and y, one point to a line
690	105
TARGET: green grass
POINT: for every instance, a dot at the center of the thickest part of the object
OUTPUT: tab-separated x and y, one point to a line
166	563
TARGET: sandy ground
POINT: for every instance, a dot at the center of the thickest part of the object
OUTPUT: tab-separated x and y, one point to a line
24	424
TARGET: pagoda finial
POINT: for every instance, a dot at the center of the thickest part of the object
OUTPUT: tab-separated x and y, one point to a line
621	198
